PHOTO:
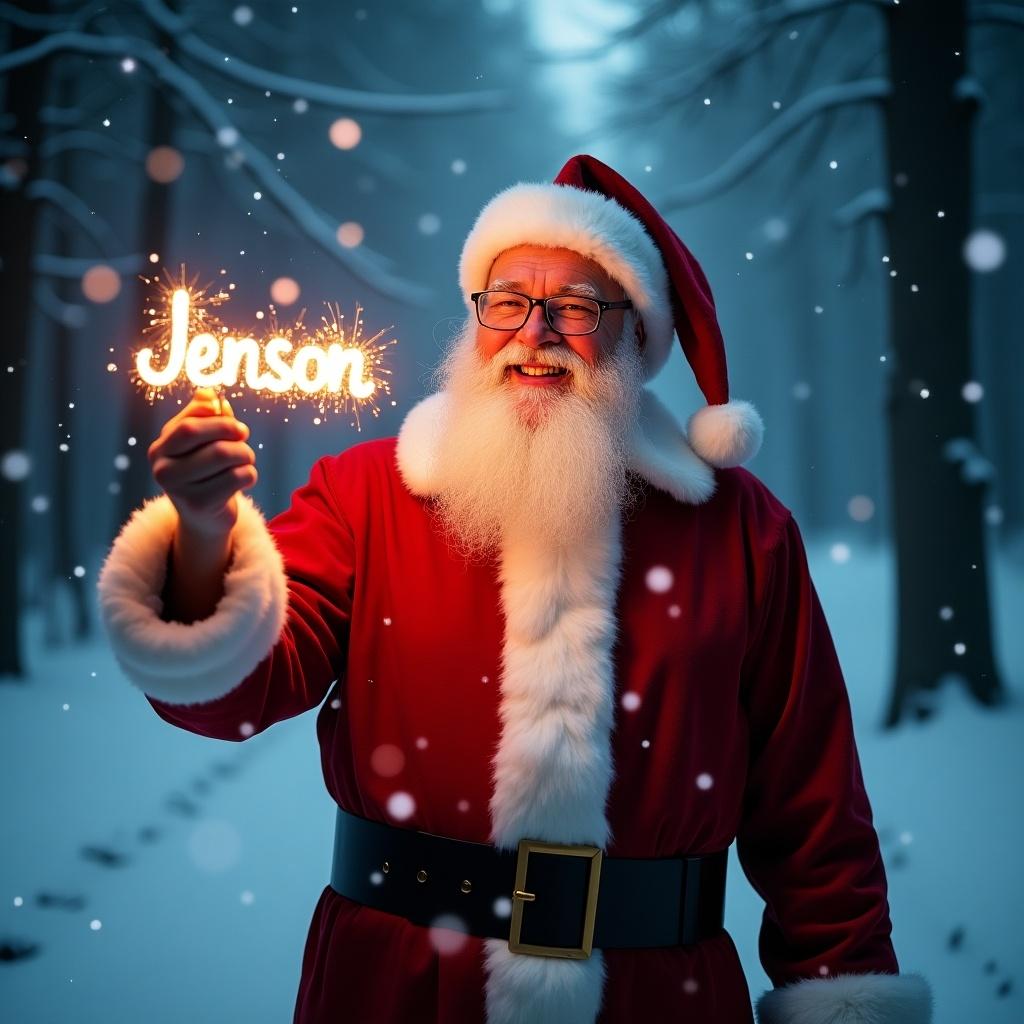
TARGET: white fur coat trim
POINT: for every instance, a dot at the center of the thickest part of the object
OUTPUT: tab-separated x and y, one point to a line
198	662
553	767
552	771
660	453
849	999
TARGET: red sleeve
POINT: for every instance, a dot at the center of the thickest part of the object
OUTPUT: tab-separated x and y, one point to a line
318	549
806	841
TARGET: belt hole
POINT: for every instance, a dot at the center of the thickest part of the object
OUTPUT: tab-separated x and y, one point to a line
467	885
386	868
421	875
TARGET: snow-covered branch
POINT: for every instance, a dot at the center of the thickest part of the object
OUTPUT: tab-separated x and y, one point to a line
871	202
368	266
105	145
74	266
754	21
761	145
997	14
47	22
48	302
314	92
63	199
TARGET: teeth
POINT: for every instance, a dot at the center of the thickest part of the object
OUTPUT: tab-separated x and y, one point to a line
539	371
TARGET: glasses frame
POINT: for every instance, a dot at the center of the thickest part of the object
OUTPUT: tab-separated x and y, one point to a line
602	304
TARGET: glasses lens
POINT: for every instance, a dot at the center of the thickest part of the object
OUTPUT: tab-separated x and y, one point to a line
573	314
504	311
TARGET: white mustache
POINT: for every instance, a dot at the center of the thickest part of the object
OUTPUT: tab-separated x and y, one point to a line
518	356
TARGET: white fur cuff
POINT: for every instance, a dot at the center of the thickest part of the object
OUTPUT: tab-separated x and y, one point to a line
199	662
849	999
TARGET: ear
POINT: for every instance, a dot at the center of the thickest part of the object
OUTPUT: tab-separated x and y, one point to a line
640	333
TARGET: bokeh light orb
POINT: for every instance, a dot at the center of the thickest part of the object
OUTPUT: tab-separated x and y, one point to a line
350	234
15	465
345	133
387	760
101	283
984	251
285	291
164	164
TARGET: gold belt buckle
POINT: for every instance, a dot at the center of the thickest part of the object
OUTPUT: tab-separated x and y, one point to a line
520	897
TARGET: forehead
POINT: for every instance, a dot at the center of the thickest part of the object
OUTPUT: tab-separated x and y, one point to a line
523	263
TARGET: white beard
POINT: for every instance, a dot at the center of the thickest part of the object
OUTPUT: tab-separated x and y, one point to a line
532	464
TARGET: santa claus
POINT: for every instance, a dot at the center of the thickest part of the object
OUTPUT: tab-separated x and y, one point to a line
565	653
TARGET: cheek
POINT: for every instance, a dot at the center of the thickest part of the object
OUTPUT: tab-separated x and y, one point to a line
489	343
588	347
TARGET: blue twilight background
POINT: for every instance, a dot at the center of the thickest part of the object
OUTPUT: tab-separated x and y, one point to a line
147	874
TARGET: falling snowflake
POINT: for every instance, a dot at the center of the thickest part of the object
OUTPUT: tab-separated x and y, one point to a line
659	579
429	224
448	934
401	806
705	781
16	465
631	700
839	553
502	907
984	251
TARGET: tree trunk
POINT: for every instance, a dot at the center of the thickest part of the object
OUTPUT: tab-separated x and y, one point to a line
24	86
141	420
942	590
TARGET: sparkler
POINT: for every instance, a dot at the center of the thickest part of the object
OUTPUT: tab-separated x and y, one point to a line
334	365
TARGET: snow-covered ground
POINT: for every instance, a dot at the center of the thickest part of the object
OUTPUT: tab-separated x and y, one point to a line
163	877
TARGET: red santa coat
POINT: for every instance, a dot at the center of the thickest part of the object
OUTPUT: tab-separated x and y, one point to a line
492	699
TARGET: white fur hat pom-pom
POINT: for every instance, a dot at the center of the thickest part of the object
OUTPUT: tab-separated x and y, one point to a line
726	435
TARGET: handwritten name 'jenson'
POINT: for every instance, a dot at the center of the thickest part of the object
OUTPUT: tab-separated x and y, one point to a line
313	369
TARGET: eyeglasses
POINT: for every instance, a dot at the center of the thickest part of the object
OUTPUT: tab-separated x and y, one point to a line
566	314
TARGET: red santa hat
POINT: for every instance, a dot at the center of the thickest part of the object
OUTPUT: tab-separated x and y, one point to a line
594	211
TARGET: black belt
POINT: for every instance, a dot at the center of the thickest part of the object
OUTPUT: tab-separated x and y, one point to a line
546	899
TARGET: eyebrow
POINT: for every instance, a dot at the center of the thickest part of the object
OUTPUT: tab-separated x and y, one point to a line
580	288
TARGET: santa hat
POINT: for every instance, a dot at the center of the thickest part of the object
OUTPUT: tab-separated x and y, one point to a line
594	211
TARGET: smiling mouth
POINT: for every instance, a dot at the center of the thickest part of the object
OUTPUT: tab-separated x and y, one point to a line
539	371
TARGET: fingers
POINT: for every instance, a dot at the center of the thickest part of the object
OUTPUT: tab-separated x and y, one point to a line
176	473
195	431
210	495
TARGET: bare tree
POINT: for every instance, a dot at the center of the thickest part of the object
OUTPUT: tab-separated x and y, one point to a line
166	47
938	478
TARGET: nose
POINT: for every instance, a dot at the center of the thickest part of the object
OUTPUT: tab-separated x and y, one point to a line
537	331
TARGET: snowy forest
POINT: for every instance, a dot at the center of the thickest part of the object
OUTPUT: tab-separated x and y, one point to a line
850	174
